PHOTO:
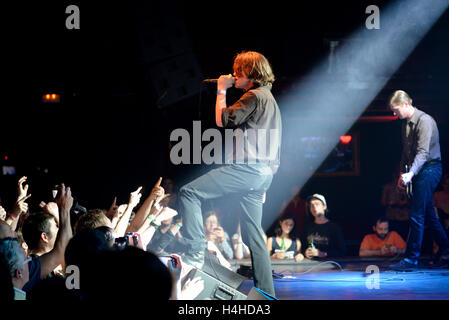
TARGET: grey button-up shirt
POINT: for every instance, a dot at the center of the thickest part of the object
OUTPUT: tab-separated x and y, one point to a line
258	117
420	141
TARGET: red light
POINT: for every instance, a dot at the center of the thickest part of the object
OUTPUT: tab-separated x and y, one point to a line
6	157
345	139
51	98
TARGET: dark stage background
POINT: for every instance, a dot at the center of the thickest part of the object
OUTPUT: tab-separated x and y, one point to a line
132	73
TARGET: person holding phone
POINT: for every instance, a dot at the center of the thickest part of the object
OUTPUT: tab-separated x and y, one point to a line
216	234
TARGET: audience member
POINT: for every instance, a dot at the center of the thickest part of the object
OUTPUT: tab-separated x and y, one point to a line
134	276
6	231
106	267
163	241
2	213
324	238
296	207
18	268
26	274
382	242
93	218
285	244
82	251
216	236
108	234
6	285
39	231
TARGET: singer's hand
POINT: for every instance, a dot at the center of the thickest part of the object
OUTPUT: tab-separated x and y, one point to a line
225	82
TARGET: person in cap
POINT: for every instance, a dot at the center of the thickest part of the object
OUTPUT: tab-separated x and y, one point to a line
321	238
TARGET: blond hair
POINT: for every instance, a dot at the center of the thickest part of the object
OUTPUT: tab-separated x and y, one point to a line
399	97
255	66
93	218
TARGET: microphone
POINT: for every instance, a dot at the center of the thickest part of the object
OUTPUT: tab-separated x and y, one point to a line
210	80
215	80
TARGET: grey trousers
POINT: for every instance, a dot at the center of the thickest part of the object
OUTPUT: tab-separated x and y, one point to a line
250	182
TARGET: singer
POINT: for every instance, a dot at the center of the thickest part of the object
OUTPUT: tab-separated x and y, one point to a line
248	179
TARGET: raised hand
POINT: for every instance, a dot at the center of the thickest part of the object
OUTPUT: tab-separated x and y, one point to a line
225	82
51	208
64	199
134	197
20	206
219	233
22	190
157	193
192	288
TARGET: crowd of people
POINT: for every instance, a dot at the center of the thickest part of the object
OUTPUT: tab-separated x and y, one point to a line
66	254
46	253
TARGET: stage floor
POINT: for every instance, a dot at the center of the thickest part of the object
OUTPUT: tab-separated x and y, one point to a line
321	280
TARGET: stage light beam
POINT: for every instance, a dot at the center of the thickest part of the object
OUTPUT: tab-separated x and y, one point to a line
328	105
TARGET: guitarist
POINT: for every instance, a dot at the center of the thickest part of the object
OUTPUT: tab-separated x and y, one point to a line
421	154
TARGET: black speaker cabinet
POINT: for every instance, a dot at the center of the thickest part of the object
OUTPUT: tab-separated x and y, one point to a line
220	283
215	289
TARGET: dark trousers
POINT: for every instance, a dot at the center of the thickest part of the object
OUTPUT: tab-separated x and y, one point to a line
422	211
249	182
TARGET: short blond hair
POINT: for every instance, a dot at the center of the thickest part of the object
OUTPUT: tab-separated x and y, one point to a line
93	218
399	97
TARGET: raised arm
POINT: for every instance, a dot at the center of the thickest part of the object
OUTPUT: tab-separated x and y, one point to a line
122	224
55	257
157	193
223	83
20	206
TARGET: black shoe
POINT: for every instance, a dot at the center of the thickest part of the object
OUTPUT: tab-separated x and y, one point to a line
404	265
194	259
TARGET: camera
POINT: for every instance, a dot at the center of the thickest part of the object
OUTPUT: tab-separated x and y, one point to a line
130	239
76	209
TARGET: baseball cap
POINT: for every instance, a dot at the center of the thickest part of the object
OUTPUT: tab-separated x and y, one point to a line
317	196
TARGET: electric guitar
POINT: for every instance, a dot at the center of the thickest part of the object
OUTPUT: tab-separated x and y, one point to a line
409	186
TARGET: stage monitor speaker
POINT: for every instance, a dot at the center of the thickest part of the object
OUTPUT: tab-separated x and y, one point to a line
257	294
220	283
215	289
213	268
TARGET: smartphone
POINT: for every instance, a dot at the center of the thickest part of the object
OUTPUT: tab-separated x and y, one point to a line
166	259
